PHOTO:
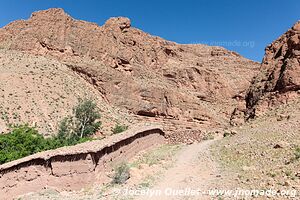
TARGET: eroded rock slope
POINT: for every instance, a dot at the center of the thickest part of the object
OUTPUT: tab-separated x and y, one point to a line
41	91
279	78
183	86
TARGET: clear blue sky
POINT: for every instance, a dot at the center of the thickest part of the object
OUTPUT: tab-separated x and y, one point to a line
242	26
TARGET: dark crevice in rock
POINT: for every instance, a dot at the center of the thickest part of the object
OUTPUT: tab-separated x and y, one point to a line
146	113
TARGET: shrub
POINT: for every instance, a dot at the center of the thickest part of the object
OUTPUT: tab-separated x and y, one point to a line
119	128
24	141
209	136
226	134
121	173
297	153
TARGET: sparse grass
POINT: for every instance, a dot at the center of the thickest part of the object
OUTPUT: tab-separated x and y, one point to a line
153	157
144	184
147	182
289	174
272	174
122	198
159	154
254	147
229	133
102	189
209	136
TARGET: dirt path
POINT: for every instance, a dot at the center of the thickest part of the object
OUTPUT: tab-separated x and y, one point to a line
194	169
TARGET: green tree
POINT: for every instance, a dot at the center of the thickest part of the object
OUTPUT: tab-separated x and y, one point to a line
87	115
83	123
67	128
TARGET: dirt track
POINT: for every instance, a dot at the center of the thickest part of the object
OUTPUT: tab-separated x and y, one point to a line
194	169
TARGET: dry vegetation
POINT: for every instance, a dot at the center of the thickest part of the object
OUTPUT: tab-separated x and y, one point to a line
264	154
41	91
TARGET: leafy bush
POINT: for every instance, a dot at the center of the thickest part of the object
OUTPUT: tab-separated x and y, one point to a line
121	173
119	128
24	141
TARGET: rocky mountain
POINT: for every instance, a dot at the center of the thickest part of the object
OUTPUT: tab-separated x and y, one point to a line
279	78
195	91
187	87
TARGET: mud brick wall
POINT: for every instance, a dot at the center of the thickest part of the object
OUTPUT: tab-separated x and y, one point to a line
72	168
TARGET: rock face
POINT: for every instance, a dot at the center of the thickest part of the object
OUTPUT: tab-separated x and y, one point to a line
279	78
182	86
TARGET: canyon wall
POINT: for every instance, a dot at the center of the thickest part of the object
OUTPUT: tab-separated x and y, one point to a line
188	88
278	81
72	168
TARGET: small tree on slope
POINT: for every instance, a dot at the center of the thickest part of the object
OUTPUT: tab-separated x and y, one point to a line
86	115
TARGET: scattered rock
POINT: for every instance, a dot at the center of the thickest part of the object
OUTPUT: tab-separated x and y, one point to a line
229	133
119	22
287	183
281	145
283	117
248	168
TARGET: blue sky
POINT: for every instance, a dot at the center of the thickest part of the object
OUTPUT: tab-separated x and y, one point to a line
242	26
